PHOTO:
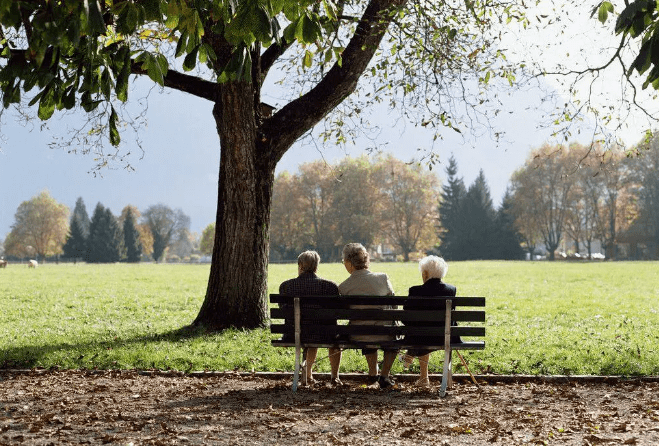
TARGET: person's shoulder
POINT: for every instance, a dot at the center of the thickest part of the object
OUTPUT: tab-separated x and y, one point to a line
285	284
328	284
415	290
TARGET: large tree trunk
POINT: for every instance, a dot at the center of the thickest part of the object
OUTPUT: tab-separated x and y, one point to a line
237	285
251	147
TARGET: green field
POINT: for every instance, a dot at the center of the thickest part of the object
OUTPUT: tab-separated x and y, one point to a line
543	318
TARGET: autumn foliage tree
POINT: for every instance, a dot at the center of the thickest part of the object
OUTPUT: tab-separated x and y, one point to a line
409	195
371	201
40	224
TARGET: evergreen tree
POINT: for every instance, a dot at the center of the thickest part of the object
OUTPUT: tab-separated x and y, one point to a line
450	224
132	238
477	222
76	242
105	244
80	213
507	238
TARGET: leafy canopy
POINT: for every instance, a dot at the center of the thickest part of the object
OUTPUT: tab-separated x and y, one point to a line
90	48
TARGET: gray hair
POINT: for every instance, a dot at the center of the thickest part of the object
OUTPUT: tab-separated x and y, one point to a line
434	266
308	261
357	255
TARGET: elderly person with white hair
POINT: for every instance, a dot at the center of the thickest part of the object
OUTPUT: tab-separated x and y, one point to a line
364	282
433	269
307	283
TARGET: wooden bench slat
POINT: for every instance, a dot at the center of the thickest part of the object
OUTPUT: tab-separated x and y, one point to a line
377	329
331	301
378	314
469	345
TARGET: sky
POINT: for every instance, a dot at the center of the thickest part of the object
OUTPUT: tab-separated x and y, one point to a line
180	163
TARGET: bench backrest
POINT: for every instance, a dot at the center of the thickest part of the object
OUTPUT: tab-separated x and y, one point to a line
328	315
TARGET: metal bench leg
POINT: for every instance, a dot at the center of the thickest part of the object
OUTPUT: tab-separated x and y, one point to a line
446	372
296	373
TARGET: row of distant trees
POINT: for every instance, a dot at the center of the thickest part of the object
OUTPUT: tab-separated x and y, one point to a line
584	194
381	202
578	193
42	229
385	203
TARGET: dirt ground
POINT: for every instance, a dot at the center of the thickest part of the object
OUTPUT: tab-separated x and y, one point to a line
72	407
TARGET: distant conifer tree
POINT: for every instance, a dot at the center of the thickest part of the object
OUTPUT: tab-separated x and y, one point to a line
132	239
105	243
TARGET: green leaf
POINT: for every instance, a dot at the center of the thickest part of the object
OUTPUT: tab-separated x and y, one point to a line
69	98
124	74
190	60
308	59
46	105
330	10
604	10
93	17
155	66
307	30
115	139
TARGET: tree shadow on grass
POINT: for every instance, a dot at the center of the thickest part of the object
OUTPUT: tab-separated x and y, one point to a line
30	356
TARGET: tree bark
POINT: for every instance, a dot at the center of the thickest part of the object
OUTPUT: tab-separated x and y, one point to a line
237	285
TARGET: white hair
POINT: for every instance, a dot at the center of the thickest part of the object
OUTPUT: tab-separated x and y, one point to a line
434	266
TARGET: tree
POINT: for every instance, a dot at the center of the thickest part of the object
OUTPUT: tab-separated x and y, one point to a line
165	225
477	217
183	243
450	211
207	236
542	188
41	223
409	196
354	207
80	214
288	231
646	176
76	242
85	52
145	236
506	237
131	238
317	181
105	243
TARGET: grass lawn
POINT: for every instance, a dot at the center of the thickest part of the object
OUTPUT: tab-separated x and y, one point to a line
542	318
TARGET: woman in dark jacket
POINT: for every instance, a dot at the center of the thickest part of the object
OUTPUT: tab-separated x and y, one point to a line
433	269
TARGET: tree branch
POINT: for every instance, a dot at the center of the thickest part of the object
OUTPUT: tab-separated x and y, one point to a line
270	56
302	114
185	83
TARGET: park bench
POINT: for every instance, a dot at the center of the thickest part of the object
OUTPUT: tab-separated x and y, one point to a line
321	321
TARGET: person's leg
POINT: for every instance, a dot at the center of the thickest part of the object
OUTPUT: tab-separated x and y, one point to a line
407	360
335	363
310	359
424	381
388	361
384	380
372	361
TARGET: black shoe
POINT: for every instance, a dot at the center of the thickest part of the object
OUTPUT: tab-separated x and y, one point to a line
385	382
